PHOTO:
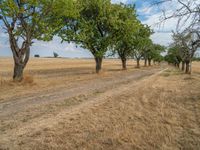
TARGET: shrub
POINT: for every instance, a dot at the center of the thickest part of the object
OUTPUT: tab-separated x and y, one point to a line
36	55
55	54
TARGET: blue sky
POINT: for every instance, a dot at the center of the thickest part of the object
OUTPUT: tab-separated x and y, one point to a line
148	15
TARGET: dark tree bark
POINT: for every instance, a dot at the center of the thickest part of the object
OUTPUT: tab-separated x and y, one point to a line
149	62
187	70
183	66
19	65
138	63
178	65
123	63
98	61
18	72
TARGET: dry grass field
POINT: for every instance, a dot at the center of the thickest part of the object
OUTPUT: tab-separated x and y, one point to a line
63	104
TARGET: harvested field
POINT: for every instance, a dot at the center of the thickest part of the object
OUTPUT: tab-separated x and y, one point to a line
63	104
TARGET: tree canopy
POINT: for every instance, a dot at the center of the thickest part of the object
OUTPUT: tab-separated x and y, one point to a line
24	21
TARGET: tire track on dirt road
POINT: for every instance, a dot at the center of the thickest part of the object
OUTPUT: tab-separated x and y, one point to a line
15	105
13	113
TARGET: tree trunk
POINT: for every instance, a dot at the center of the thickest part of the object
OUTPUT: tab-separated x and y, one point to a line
183	66
19	64
20	56
187	70
149	62
190	72
138	63
98	61
123	63
18	72
145	62
178	65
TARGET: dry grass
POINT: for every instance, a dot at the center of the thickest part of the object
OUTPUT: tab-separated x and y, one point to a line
28	79
44	74
196	67
161	113
157	112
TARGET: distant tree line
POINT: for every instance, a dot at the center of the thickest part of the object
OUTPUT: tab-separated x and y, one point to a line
96	25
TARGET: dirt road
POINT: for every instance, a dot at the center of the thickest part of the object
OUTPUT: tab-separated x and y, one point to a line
138	109
21	111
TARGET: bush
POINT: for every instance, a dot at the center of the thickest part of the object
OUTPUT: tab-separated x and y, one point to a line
36	55
196	59
55	54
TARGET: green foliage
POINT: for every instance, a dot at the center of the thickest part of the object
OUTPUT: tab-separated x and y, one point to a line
173	55
26	17
24	21
196	59
90	27
141	41
124	28
158	49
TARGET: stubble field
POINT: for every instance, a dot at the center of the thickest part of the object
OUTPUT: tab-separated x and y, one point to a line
63	104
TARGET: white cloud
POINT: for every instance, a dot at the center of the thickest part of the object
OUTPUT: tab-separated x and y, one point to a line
64	49
152	17
155	23
163	38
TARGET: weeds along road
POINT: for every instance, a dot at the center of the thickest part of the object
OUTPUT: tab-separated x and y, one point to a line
132	111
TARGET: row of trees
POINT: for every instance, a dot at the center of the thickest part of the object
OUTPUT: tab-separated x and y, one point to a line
183	49
186	39
96	25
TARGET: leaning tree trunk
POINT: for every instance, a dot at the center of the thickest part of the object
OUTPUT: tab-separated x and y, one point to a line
19	64
20	55
183	66
187	70
98	61
138	63
123	63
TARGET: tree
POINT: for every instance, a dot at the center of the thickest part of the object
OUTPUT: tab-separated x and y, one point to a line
189	42
24	21
153	52
55	54
173	55
158	49
123	31
186	11
90	28
37	55
149	53
141	42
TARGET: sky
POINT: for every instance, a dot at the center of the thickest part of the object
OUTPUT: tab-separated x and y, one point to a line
148	15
